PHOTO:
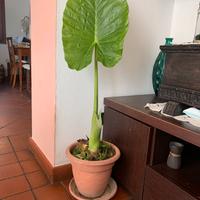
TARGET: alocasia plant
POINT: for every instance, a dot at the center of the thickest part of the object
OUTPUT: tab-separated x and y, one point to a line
94	29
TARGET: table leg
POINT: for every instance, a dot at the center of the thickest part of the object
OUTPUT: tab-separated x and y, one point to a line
20	71
27	79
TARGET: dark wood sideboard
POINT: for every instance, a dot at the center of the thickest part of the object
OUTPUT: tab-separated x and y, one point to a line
143	137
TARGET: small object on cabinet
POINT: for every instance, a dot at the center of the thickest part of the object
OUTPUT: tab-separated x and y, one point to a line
174	108
174	159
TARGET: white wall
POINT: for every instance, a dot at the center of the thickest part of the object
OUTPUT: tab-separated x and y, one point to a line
184	20
150	23
15	11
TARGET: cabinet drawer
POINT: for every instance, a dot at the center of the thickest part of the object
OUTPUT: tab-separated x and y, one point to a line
157	187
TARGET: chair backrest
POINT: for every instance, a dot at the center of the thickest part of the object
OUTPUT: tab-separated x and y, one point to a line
11	50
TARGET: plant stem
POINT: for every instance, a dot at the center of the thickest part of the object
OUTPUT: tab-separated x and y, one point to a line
96	83
94	140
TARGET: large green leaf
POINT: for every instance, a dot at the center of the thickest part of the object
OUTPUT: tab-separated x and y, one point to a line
90	23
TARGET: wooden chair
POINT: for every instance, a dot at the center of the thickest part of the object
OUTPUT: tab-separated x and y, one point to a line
16	64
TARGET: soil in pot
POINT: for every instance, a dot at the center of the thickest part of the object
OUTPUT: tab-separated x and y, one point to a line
81	151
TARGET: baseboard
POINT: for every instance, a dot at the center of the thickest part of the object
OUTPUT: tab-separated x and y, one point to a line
54	174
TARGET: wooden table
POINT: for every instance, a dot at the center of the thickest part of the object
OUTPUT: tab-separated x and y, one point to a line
22	51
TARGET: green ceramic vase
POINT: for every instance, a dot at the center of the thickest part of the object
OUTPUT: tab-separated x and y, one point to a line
158	67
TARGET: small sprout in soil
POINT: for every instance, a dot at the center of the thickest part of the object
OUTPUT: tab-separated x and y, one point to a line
82	152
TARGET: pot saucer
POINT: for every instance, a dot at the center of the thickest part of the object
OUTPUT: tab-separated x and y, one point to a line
108	194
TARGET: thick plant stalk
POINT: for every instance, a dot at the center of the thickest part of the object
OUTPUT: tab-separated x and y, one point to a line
96	83
94	139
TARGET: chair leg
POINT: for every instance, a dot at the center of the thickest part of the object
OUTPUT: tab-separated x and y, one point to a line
11	75
14	77
20	78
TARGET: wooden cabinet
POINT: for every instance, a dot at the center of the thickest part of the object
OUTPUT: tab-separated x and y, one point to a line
132	137
143	137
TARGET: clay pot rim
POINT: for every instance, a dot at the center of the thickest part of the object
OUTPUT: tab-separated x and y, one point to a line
72	158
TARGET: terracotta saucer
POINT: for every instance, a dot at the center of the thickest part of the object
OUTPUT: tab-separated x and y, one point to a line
108	194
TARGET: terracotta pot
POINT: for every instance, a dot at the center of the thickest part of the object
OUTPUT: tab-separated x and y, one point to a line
92	177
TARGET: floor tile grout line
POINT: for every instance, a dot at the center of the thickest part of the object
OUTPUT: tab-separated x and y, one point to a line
28	134
8	178
35	188
4	126
20	174
25	174
14	135
12	195
14	163
31	189
17	159
6	153
13	152
66	192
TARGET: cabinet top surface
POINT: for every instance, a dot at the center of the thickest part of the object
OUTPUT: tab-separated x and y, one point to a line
133	106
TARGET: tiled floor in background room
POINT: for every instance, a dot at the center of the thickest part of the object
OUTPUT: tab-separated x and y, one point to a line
21	178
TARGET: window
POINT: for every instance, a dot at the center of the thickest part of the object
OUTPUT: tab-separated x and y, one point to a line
2	22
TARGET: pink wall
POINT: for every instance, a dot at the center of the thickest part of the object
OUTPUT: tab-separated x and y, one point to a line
43	39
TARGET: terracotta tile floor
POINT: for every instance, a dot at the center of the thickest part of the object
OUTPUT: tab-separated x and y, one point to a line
21	178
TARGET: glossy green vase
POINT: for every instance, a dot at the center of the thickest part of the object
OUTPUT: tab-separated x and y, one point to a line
159	67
